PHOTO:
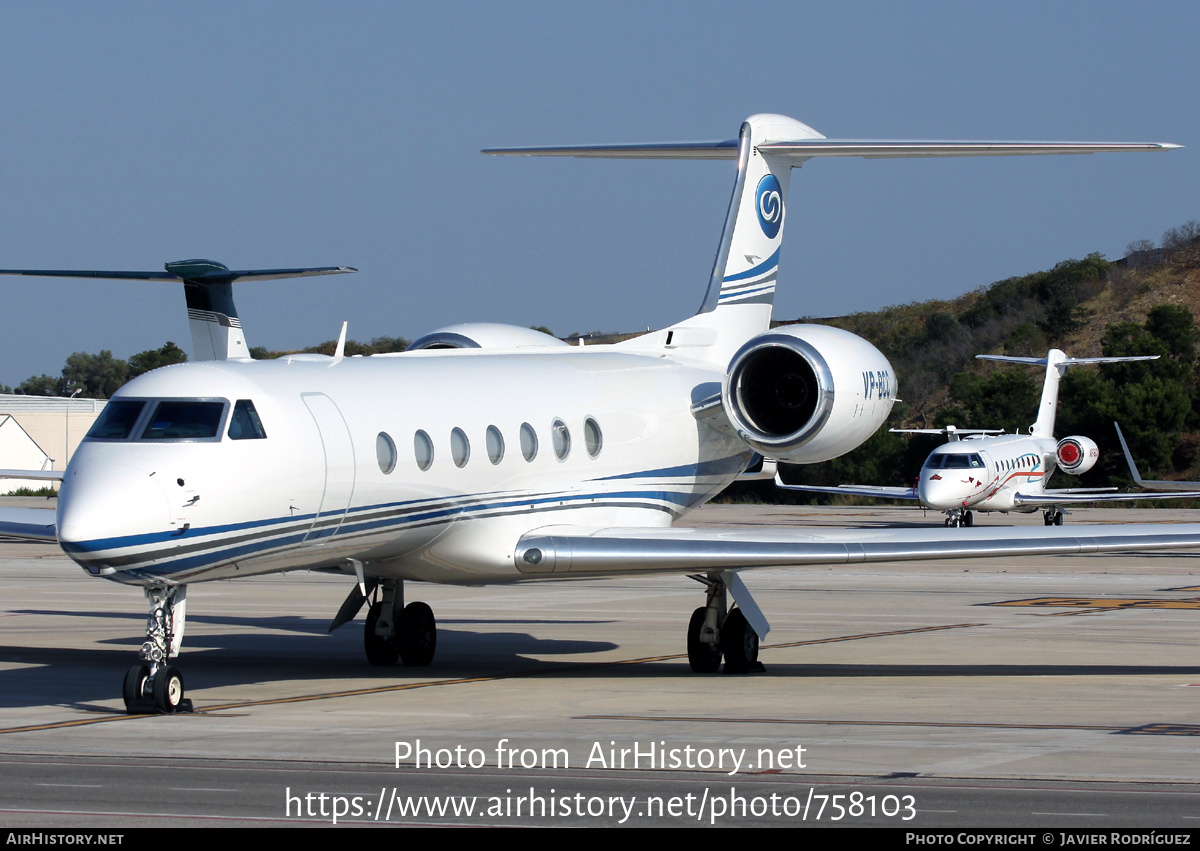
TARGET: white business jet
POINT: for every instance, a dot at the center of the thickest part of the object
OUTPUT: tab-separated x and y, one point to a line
986	470
488	453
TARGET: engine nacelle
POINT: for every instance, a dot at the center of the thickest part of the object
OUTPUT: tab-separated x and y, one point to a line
1076	455
485	335
807	393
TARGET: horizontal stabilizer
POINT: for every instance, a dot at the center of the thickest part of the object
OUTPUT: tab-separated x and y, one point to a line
805	149
208	287
187	271
1064	361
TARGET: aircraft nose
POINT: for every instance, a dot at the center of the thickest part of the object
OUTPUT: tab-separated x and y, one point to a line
101	502
938	492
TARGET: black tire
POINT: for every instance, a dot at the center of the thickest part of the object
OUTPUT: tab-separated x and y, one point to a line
739	643
704	658
135	688
168	689
417	631
1058	519
381	650
968	519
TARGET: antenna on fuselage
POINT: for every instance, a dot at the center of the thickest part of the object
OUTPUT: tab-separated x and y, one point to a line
208	288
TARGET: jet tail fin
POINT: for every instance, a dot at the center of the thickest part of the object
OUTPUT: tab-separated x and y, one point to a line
208	288
1056	363
741	287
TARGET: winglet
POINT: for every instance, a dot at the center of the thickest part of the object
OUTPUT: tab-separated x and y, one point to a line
1133	470
1146	483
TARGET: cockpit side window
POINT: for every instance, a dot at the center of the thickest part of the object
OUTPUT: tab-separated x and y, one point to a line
245	424
117	420
176	420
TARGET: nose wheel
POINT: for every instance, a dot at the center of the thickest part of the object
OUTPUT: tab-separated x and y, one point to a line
959	517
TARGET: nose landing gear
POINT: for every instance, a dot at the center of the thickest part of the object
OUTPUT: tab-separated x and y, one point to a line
154	685
959	517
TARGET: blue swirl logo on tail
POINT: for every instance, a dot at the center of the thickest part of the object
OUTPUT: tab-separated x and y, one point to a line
768	204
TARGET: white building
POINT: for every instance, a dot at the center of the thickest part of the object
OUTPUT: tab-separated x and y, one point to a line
41	433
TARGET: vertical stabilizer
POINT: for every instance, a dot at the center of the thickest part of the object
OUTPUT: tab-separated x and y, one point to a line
741	288
1056	364
216	330
747	261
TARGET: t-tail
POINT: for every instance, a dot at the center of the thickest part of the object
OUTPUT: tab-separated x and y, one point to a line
1056	363
741	288
208	288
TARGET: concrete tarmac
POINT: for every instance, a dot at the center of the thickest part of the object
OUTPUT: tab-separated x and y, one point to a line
1056	692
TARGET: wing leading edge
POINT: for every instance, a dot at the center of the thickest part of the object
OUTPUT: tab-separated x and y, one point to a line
557	551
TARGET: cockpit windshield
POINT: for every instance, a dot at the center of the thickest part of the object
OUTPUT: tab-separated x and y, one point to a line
184	421
175	420
954	461
117	420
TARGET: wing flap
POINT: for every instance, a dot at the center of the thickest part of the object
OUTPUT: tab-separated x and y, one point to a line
555	551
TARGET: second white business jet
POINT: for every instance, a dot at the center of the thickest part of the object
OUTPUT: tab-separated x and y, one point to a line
986	470
490	453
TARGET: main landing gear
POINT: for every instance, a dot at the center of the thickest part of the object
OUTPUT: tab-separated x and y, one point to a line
1053	516
154	685
396	631
959	517
714	631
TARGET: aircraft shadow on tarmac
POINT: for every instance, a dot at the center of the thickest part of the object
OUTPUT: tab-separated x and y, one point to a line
78	677
270	650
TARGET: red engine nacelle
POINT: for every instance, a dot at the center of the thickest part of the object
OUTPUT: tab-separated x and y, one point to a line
1076	455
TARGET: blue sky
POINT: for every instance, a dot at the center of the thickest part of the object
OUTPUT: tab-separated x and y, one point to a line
283	134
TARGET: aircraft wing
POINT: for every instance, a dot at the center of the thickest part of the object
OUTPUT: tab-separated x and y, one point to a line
881	492
1144	483
563	550
1061	497
41	475
34	523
